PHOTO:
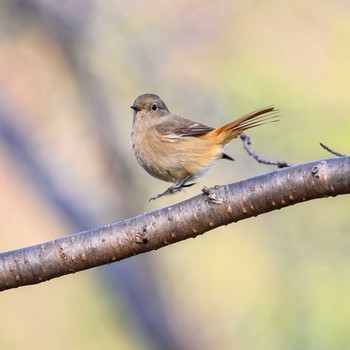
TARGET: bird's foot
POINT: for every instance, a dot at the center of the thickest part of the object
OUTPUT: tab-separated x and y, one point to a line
177	187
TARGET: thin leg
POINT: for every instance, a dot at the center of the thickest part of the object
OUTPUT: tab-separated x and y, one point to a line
177	187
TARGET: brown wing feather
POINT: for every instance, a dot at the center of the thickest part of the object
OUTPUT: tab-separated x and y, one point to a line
175	127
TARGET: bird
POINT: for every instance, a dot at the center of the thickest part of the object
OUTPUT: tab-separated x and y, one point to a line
178	150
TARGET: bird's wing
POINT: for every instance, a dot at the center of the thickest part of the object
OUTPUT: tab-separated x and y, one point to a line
175	127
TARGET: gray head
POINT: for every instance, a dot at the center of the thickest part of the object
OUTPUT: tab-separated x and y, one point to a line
151	104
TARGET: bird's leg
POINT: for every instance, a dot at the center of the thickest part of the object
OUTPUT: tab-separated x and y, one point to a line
176	187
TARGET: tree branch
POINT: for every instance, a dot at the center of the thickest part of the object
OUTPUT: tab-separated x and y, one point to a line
217	206
332	150
247	146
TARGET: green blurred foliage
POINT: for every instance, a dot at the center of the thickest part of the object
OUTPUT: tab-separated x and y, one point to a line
279	281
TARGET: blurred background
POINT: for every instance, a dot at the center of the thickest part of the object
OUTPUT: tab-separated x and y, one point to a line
69	70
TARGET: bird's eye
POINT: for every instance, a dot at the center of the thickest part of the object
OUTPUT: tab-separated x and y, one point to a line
154	106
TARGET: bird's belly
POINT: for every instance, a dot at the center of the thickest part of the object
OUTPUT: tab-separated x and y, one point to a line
173	161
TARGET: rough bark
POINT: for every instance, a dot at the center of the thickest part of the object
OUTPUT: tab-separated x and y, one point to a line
217	206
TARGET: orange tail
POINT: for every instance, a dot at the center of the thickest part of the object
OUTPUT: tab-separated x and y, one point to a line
226	133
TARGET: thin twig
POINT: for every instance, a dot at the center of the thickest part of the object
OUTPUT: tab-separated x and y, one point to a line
332	150
247	146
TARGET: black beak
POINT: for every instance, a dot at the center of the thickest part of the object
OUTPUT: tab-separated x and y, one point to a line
135	108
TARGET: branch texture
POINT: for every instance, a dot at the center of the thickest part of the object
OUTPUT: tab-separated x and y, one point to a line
217	206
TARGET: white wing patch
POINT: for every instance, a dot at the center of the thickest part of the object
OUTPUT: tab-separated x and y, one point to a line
171	137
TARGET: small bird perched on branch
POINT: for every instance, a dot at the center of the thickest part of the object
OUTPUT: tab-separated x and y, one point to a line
174	149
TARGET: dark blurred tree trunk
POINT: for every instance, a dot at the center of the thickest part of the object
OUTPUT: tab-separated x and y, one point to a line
66	23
